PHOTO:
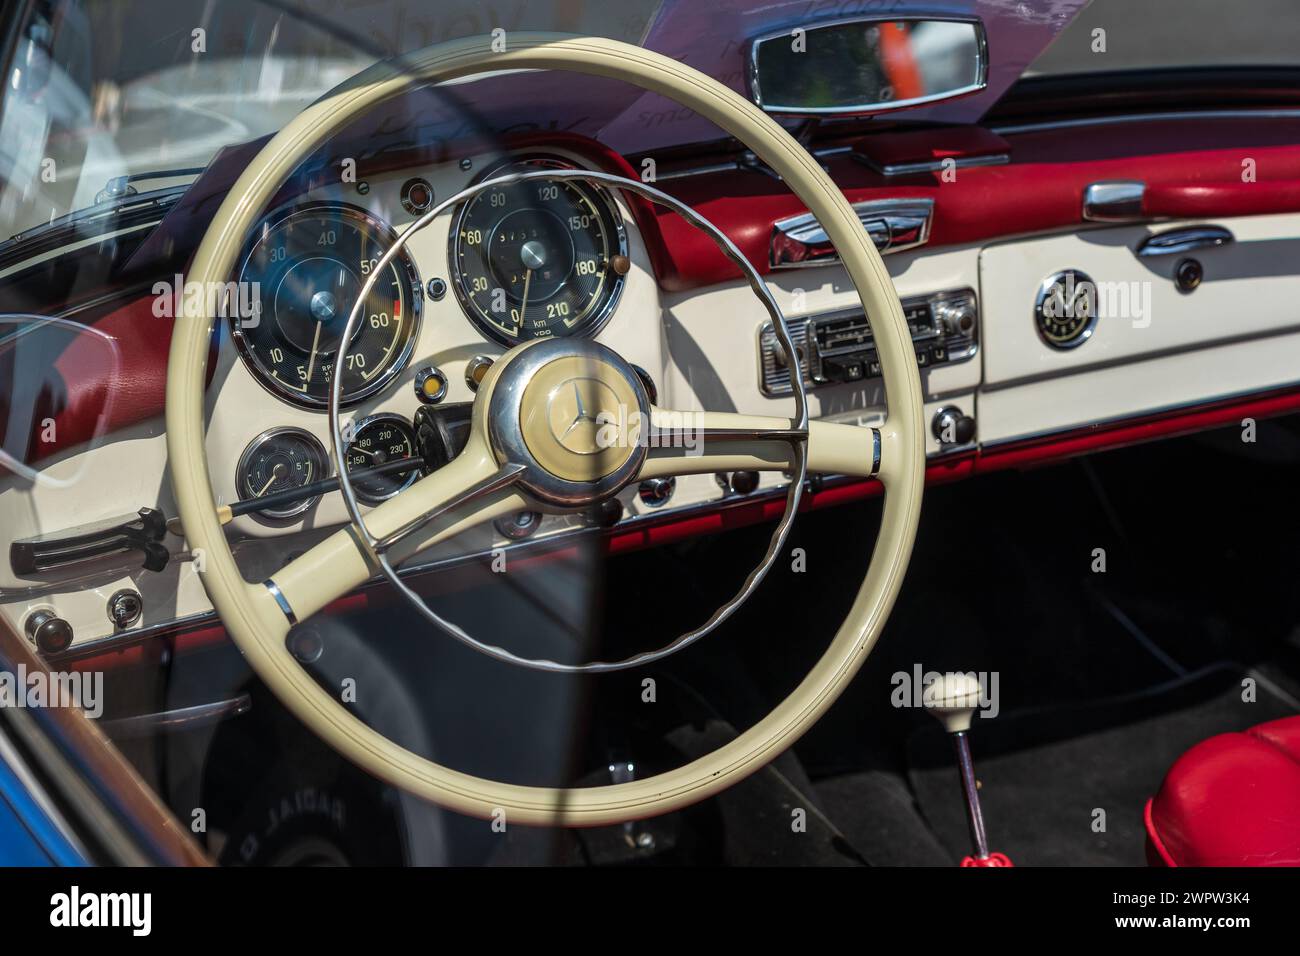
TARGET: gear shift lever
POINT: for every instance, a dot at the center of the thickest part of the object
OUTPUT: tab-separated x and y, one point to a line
953	700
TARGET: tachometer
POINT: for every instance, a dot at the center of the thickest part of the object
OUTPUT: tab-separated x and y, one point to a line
538	258
304	270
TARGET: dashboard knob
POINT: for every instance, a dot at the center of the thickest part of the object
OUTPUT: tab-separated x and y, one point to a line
655	491
49	632
744	482
961	320
125	607
951	426
611	512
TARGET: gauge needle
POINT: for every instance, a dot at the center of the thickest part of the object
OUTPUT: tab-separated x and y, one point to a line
278	472
523	305
311	359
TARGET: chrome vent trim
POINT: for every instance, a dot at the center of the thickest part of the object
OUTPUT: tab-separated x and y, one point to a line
893	225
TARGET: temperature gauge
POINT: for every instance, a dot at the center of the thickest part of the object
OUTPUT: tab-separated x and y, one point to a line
379	440
280	460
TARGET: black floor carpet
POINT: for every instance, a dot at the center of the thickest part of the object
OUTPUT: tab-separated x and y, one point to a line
1047	775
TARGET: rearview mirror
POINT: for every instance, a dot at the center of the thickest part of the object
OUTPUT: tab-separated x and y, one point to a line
863	66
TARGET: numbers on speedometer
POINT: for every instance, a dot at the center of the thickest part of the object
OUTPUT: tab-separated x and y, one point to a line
303	272
538	258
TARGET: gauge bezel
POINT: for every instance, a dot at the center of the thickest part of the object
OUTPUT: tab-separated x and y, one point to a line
406	267
361	425
316	448
590	327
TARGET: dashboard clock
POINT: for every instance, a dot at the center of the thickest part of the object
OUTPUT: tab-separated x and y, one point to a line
538	258
1065	310
301	275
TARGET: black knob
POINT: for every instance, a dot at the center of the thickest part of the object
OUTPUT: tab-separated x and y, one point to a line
743	482
953	427
611	512
49	632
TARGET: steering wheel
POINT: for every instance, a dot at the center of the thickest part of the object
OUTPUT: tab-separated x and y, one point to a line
520	455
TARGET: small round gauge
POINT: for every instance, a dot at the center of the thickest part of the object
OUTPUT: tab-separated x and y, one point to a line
1065	309
280	460
300	279
376	441
538	258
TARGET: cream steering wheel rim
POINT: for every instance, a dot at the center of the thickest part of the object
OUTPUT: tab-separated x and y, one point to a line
257	624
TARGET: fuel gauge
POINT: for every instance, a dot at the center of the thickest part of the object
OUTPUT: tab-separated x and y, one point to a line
277	460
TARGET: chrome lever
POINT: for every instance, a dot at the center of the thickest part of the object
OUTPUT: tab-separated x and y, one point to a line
1179	241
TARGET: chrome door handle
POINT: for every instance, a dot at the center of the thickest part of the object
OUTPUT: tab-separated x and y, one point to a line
1178	241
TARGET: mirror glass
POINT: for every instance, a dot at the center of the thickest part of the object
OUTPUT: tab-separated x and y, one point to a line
867	66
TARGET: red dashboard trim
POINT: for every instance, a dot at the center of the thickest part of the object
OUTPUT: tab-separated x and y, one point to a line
1192	169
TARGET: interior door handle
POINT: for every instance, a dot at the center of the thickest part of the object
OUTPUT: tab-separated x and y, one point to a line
1183	240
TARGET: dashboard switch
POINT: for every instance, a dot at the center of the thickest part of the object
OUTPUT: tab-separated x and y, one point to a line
475	369
125	607
656	491
430	385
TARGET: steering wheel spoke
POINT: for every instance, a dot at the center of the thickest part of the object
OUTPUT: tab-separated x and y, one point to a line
694	443
467	492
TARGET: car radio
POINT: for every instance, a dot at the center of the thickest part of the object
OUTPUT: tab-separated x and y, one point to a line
836	347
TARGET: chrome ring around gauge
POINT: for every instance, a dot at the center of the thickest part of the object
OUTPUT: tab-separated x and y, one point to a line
1065	309
277	460
377	440
299	278
539	258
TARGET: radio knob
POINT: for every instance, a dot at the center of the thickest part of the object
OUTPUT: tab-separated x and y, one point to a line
951	426
960	320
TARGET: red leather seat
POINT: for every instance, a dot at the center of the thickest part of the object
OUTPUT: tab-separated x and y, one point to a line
1232	800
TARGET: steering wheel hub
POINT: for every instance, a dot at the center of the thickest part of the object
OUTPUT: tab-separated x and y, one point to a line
573	414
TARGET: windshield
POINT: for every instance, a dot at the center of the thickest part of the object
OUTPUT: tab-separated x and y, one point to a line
1113	35
87	100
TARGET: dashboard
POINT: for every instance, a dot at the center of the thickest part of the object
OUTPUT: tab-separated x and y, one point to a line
1009	371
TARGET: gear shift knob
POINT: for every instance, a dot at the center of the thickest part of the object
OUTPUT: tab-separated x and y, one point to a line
953	700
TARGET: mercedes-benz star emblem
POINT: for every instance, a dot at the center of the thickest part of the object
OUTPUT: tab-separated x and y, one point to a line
573	410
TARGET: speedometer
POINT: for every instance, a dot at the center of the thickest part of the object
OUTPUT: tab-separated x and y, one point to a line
538	258
303	271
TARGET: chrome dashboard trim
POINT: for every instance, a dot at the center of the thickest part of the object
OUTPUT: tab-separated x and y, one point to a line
280	600
1175	242
180	718
933	165
1114	201
894	225
1013	129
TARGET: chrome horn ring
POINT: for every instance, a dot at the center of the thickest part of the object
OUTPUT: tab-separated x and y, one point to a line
514	472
